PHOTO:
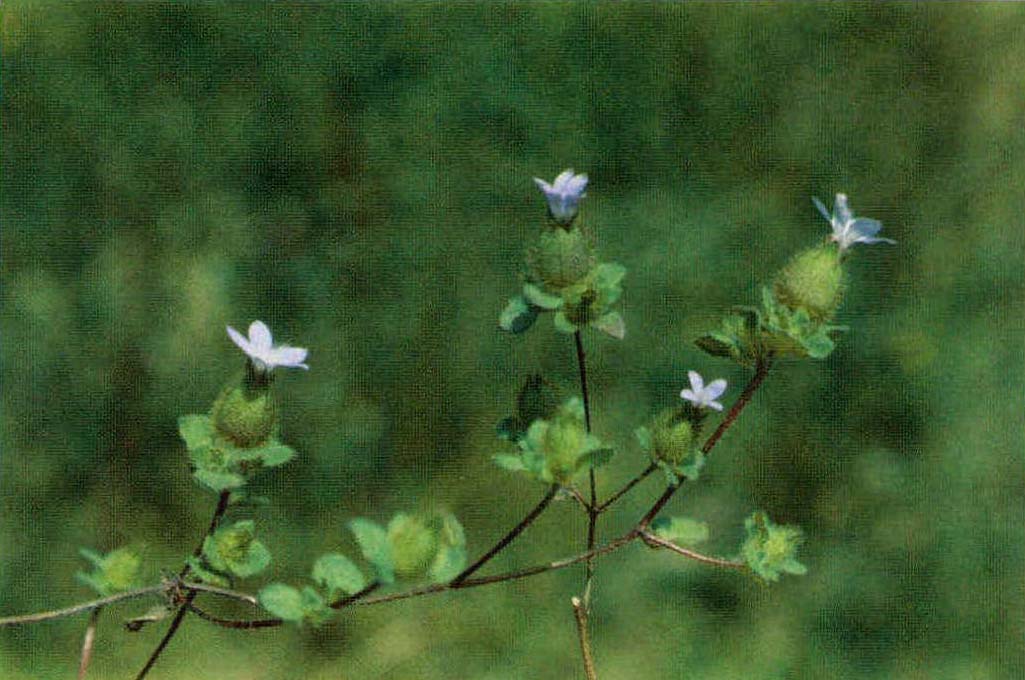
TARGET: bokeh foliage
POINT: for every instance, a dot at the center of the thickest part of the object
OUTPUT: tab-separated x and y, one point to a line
358	176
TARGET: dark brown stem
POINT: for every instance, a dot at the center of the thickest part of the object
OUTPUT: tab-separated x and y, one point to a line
629	485
592	510
509	537
87	643
222	507
761	370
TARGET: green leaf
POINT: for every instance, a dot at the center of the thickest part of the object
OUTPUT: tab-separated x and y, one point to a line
196	430
537	297
770	549
718	345
315	610
272	454
451	557
564	325
218	481
518	315
284	602
643	435
373	542
337	574
818	345
612	324
206	575
680	530
608	277
508	461
596	457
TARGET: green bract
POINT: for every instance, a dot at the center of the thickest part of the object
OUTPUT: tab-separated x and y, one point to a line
554	450
234	550
218	463
112	573
244	413
770	549
750	335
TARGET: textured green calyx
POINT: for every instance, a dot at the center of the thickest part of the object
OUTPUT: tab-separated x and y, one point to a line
245	413
814	281
673	435
413	545
561	258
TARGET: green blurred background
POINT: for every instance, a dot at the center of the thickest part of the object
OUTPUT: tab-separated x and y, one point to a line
359	177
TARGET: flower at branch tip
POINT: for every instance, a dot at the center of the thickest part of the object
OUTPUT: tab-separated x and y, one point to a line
563	194
848	230
702	395
260	349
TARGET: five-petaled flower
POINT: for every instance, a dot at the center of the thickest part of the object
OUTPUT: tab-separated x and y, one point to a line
702	395
260	349
563	195
848	230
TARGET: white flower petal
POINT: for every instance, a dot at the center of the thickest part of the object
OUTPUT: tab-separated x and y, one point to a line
715	389
240	340
841	211
822	209
291	357
863	226
259	336
543	185
696	382
689	396
715	405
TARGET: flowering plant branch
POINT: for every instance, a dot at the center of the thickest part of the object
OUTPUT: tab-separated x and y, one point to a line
549	439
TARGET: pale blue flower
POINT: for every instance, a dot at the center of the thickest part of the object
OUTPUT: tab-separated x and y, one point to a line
563	195
848	230
259	347
701	395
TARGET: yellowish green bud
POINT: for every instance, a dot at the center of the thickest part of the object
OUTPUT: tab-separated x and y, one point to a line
813	280
561	258
674	432
245	412
413	545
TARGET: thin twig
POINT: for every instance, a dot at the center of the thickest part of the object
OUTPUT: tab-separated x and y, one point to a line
580	614
222	506
79	608
602	507
87	643
653	540
611	546
509	537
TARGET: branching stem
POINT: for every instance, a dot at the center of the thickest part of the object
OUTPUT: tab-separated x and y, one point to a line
179	616
509	537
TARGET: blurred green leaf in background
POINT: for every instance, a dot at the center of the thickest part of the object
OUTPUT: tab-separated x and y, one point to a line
359	176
